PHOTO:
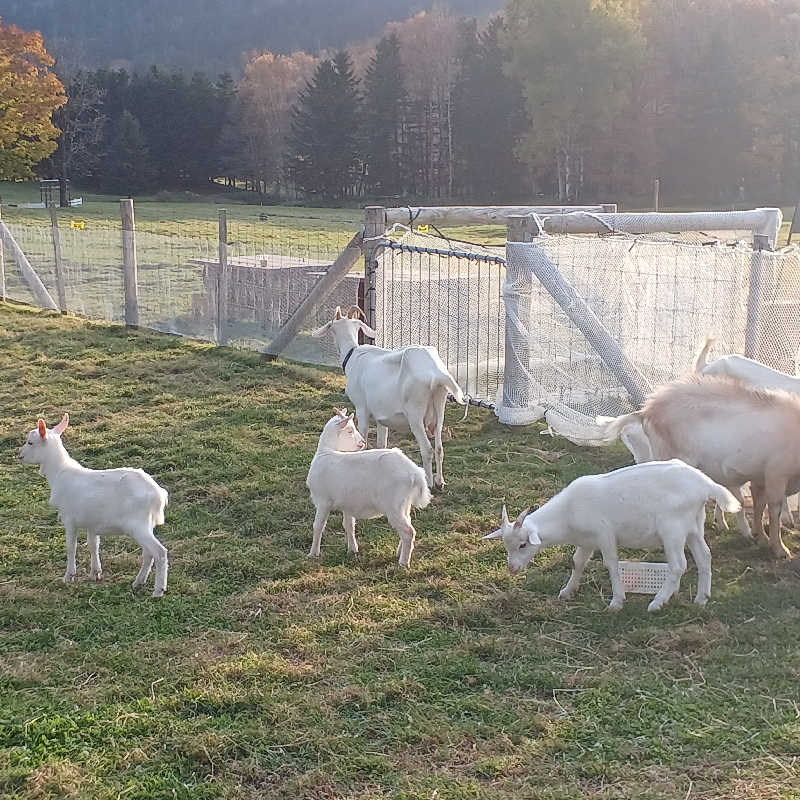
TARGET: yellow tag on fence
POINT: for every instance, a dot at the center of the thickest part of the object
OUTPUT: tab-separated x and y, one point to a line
422	228
78	224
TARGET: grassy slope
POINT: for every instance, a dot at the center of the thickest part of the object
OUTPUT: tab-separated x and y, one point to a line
265	675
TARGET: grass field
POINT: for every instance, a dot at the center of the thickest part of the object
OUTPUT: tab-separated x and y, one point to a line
264	675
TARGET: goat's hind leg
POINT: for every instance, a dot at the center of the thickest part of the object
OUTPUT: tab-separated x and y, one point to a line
676	560
425	449
702	559
95	569
405	530
144	570
349	525
148	542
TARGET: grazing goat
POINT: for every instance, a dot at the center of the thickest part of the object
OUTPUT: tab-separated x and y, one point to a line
733	432
399	389
102	501
753	373
363	485
660	503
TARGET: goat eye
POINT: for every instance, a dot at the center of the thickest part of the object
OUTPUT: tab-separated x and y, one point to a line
523	545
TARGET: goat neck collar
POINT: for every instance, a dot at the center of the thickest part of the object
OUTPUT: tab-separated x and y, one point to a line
347	357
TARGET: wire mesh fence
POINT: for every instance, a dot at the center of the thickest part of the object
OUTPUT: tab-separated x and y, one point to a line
491	311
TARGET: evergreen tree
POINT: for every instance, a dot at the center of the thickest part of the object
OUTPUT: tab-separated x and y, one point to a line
489	119
384	104
126	167
324	141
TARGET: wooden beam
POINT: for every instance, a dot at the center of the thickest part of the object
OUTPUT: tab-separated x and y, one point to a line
479	215
38	290
224	278
321	291
60	284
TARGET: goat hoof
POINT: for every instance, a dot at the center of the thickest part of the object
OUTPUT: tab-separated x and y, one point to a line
655	606
95	576
158	592
564	595
700	601
312	554
782	552
68	578
616	605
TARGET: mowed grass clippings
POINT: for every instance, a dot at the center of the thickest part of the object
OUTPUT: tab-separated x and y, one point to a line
263	674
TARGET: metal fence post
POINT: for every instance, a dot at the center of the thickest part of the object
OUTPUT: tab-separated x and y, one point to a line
130	269
224	279
374	230
60	285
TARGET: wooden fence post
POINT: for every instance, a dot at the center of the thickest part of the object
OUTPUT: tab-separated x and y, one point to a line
60	285
374	230
2	265
755	295
130	270
516	386
793	227
224	278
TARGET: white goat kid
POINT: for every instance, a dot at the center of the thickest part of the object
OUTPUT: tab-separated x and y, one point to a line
123	501
753	373
660	503
363	484
399	389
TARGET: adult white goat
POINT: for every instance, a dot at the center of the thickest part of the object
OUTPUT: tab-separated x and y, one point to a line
734	432
660	503
399	389
104	501
753	373
363	485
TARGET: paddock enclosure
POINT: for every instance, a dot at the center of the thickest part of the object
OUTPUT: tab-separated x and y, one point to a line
263	674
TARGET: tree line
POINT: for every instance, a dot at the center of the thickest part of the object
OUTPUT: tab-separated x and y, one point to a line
580	101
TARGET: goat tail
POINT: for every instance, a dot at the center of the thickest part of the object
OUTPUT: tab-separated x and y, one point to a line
158	517
610	429
420	493
456	391
724	499
701	358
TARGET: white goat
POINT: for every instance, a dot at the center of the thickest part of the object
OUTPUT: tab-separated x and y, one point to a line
660	503
734	432
104	501
363	485
399	389
753	373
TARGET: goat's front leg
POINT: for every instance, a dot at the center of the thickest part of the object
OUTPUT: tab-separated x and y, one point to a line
349	524
676	566
383	436
611	560
719	517
72	548
95	569
426	451
741	518
759	504
580	559
320	520
362	417
438	447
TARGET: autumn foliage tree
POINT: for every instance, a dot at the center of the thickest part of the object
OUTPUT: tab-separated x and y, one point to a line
29	94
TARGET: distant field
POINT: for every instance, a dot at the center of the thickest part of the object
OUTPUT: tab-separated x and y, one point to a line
263	675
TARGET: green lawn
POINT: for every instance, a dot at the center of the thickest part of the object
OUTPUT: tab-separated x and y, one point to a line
262	674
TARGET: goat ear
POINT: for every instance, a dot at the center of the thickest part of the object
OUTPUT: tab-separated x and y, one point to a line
338	313
368	332
498	534
533	537
354	312
321	331
521	518
42	428
62	426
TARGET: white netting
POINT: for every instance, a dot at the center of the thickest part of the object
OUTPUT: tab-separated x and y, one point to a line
631	315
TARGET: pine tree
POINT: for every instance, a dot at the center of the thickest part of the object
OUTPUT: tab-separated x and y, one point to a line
489	119
127	169
324	158
384	102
